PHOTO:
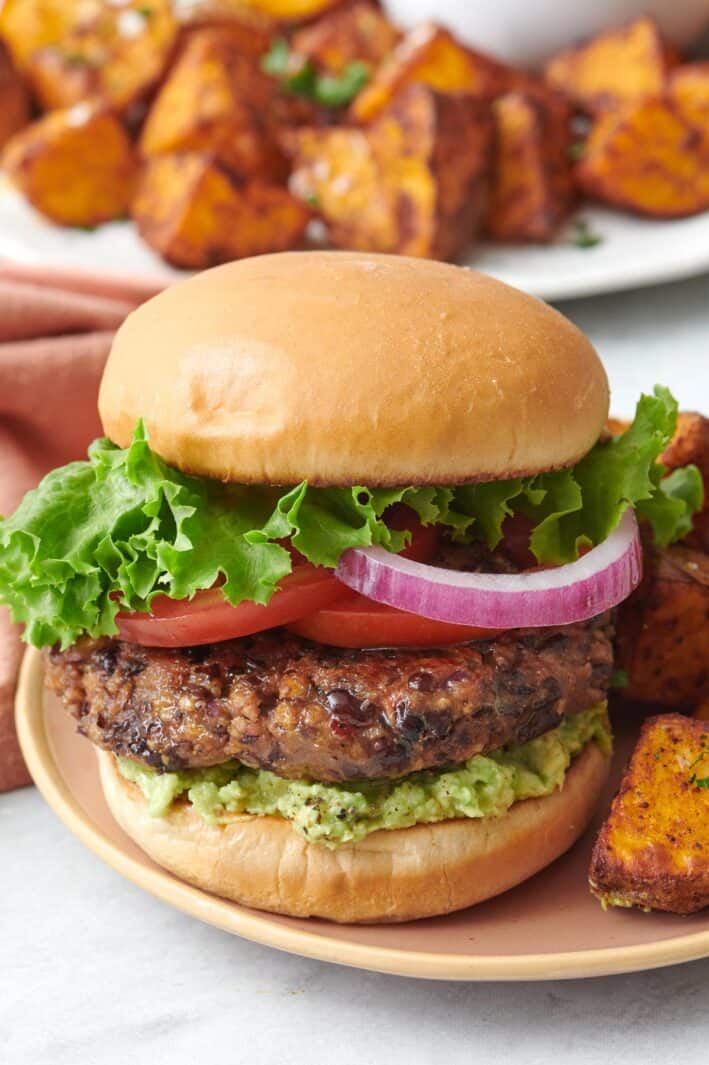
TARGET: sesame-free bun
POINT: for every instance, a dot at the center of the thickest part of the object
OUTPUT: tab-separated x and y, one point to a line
349	368
396	875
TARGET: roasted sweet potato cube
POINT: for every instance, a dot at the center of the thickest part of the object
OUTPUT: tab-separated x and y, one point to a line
689	88
28	25
663	629
620	66
195	215
415	182
112	52
14	101
648	158
653	851
292	10
216	100
77	167
431	55
359	33
532	186
287	11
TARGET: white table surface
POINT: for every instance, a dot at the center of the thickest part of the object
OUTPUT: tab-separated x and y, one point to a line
95	972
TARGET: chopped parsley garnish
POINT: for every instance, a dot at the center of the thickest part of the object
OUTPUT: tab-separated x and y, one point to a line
584	237
303	79
619	679
576	150
699	782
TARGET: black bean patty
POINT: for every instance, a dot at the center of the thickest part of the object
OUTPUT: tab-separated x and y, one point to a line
279	702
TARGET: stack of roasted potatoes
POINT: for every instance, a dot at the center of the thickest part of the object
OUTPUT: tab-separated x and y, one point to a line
223	128
653	850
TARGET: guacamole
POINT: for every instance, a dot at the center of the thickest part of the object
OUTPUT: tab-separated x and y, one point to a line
332	814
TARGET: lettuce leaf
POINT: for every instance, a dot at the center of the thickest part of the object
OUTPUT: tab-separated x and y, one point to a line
110	533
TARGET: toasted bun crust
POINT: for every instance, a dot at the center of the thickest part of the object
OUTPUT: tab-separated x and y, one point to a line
395	875
348	368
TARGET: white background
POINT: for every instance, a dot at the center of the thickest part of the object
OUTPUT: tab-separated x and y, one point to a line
94	972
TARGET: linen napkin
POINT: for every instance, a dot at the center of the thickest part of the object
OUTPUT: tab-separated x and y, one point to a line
56	328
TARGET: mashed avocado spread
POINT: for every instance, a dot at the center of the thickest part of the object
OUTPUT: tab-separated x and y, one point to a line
484	786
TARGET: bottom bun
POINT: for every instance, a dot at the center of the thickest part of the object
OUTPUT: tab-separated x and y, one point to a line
396	875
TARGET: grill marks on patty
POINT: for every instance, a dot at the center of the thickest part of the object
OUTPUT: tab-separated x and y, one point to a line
278	702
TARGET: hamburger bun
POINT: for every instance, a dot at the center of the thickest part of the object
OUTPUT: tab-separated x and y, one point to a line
389	876
345	368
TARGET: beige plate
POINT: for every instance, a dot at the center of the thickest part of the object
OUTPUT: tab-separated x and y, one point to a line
548	928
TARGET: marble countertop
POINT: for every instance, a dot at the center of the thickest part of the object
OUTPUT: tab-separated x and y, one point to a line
95	972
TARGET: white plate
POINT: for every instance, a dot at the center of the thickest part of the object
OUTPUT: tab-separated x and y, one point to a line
633	251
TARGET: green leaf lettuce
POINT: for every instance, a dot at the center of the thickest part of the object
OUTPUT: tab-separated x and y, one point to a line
110	533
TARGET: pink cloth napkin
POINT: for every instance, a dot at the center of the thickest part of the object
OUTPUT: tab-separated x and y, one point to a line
56	328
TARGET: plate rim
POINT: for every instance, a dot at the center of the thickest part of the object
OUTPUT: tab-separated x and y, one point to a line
615	278
251	925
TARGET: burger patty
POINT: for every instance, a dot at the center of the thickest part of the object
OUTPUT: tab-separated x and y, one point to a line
276	701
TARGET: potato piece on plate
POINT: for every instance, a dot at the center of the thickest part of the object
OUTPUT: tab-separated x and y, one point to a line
216	100
285	11
532	186
196	216
77	167
619	66
415	182
28	25
689	87
358	33
663	629
431	55
14	101
653	851
291	10
115	53
648	158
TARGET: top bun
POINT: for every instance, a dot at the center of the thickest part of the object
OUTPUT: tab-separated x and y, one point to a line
347	368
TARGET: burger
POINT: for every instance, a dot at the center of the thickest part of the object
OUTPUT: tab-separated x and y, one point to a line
334	596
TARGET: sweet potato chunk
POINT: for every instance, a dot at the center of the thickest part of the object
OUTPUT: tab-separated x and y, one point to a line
431	55
14	102
216	100
620	66
292	10
663	629
359	33
532	188
649	158
413	183
111	52
195	215
653	851
77	166
689	88
28	25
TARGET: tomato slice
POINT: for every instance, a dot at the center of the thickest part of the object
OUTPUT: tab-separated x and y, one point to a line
209	618
356	621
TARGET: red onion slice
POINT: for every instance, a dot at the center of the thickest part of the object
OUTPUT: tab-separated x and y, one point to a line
600	579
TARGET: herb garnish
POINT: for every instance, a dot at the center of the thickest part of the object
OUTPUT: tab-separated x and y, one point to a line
699	782
327	90
576	150
584	237
619	679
